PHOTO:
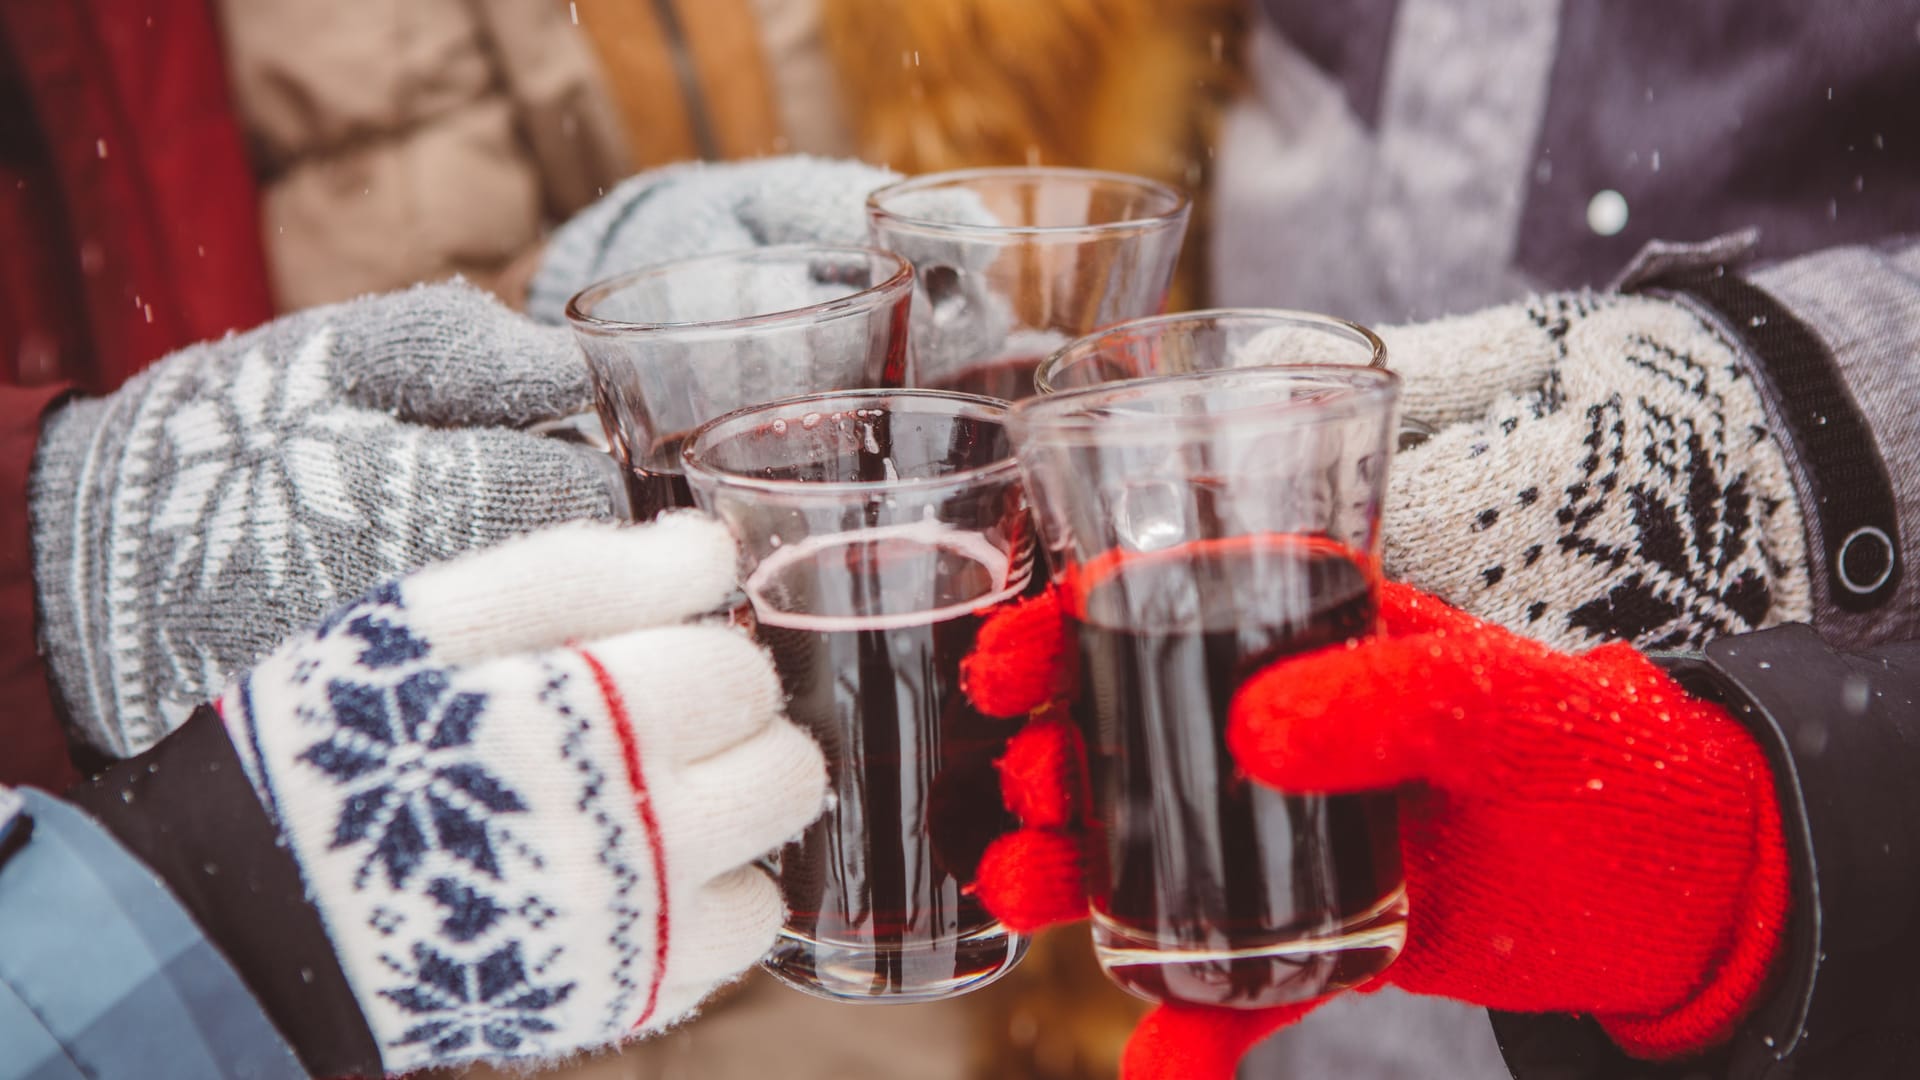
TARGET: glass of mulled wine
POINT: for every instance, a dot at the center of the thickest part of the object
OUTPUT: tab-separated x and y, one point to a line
1012	263
1202	527
877	528
673	346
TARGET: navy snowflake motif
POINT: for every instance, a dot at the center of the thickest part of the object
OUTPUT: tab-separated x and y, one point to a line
388	643
491	1001
403	756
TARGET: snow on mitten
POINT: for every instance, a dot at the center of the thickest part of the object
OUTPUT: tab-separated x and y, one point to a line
526	790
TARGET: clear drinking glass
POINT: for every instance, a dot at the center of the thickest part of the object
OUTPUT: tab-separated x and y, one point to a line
1215	340
1201	527
673	346
876	529
1190	341
1012	263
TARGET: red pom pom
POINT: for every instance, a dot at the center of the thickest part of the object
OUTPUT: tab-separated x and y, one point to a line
1040	774
1019	660
1033	878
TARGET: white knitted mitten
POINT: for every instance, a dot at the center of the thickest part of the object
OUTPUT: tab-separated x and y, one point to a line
237	490
1604	469
525	790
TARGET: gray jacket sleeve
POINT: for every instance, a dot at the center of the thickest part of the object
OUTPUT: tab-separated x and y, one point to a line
1834	342
102	975
1863	306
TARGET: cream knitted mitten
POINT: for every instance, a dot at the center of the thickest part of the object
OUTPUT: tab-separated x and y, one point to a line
526	789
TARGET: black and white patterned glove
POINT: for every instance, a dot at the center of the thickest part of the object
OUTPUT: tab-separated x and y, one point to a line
1604	468
238	489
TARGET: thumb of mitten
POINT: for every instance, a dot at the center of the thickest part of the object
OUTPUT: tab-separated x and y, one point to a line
451	355
1454	369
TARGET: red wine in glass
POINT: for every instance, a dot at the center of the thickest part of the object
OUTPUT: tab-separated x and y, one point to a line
875	887
1008	377
1207	888
659	485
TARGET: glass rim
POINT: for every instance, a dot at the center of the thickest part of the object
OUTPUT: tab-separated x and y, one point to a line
1180	202
1069	413
1079	348
858	301
993	408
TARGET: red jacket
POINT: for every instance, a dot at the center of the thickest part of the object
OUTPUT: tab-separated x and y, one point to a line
131	228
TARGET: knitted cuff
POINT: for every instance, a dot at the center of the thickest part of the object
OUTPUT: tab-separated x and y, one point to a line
1740	978
69	570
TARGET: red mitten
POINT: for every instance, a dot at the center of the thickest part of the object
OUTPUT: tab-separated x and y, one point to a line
1032	878
1579	834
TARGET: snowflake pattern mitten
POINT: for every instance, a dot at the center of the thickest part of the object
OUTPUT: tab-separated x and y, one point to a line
526	790
1604	469
236	491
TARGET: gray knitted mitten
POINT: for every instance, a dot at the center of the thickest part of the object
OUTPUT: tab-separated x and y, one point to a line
239	489
687	210
1604	468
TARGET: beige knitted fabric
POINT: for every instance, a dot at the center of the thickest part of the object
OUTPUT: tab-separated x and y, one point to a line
1603	469
527	788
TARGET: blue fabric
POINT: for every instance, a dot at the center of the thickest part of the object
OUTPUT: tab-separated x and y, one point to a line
103	975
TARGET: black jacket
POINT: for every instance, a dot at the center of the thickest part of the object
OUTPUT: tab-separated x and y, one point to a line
1842	730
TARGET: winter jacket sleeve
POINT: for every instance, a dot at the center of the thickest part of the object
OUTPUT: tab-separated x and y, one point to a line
1842	730
1833	343
101	972
30	731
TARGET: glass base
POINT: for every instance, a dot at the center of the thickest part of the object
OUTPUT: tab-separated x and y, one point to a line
1278	971
895	974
